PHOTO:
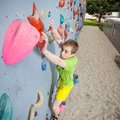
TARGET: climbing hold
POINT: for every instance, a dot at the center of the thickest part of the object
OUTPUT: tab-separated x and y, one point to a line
75	79
50	36
74	2
49	14
66	32
35	113
74	13
61	19
78	12
79	4
36	21
41	44
50	28
71	2
43	64
5	107
77	18
61	3
81	14
17	45
35	106
43	13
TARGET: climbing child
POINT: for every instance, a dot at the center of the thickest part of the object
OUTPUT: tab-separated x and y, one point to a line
66	64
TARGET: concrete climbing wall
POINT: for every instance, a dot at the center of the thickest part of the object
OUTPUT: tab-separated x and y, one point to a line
34	73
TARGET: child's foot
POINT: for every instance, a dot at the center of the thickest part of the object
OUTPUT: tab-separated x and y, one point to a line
54	118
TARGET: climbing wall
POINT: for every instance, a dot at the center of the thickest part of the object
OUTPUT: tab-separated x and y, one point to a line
21	82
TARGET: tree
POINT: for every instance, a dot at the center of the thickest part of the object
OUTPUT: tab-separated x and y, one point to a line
101	7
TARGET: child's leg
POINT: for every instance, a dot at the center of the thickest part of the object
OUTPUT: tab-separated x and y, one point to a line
55	107
61	95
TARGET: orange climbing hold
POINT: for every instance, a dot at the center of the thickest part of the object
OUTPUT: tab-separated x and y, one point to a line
74	13
61	3
36	21
71	2
78	11
66	32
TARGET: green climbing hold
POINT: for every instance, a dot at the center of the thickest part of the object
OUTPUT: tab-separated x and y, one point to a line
5	107
62	19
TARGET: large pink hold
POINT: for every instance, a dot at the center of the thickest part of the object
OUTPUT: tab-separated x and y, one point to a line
20	39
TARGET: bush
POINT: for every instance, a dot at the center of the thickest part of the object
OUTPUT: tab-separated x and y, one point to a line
101	26
94	23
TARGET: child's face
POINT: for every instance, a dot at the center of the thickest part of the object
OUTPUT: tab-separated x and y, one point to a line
66	52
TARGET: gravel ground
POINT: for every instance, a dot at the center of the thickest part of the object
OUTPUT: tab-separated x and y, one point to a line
97	96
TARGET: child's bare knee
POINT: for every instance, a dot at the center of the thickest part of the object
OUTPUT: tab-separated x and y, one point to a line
54	107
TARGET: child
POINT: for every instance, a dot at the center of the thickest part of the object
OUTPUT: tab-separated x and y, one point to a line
65	65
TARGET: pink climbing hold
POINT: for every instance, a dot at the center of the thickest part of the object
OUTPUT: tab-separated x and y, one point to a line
19	41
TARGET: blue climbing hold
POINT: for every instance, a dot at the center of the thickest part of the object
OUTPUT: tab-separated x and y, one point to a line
75	79
49	14
43	65
74	2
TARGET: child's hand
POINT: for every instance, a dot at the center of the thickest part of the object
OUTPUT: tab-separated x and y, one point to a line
51	23
43	45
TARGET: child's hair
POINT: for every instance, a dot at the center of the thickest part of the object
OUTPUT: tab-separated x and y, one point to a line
73	44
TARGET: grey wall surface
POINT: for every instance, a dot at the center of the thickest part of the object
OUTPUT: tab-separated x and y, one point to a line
23	80
112	31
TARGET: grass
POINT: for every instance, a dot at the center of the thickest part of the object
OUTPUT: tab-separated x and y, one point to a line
94	23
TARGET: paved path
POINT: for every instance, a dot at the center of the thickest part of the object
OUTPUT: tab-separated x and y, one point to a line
97	96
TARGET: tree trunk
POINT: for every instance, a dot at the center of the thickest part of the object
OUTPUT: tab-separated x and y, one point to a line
100	16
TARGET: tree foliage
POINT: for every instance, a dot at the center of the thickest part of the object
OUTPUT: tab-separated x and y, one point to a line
101	7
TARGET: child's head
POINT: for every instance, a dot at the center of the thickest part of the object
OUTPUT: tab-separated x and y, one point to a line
69	48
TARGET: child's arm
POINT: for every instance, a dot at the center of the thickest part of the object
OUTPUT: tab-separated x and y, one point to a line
56	35
50	56
54	59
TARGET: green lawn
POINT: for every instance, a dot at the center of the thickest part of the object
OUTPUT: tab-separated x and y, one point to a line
94	23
